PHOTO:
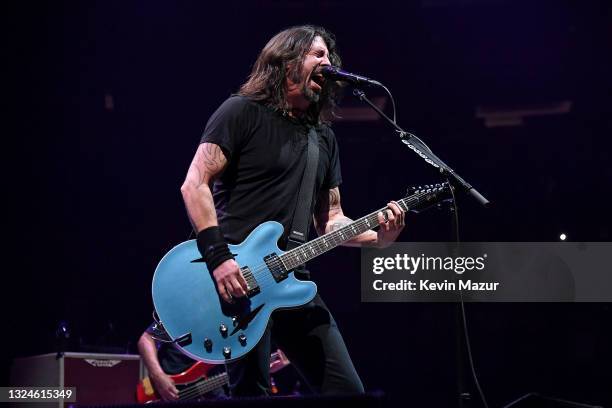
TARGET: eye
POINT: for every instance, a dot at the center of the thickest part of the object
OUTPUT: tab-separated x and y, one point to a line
319	53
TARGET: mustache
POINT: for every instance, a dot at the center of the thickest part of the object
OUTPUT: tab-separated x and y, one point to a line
317	70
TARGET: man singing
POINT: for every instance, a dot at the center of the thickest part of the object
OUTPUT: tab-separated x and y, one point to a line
248	170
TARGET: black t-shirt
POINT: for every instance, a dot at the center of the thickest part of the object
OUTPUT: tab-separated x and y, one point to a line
171	360
266	153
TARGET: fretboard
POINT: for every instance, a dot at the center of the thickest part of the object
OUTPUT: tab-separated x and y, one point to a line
310	250
204	386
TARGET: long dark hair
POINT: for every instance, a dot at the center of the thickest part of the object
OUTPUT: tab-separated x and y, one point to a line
266	83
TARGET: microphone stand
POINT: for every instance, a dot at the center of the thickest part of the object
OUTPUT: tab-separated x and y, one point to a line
462	342
417	146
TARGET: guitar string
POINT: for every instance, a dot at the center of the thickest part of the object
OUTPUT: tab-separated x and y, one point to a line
266	279
320	243
200	387
317	247
199	390
211	383
261	272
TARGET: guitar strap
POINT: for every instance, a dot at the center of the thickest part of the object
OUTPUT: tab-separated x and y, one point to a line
301	215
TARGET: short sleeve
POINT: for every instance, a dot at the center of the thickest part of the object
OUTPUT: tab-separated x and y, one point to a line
228	126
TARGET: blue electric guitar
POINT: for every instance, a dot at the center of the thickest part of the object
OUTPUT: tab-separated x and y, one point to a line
208	329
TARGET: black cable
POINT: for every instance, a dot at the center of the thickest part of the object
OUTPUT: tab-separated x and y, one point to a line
462	308
392	102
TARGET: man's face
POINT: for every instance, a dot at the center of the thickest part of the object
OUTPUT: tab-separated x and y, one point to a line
310	81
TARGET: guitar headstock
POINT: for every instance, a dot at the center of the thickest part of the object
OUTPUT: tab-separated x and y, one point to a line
423	197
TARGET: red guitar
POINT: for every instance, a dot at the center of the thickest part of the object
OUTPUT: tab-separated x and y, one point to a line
195	381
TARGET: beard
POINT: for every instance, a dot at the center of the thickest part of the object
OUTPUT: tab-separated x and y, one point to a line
298	76
310	95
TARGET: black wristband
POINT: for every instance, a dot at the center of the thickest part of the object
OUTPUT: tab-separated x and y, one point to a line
213	247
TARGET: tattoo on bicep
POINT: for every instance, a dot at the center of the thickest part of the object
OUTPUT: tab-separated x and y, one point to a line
214	159
208	162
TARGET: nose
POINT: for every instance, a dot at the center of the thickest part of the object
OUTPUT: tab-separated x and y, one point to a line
325	61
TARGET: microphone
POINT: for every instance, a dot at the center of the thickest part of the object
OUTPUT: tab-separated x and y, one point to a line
336	74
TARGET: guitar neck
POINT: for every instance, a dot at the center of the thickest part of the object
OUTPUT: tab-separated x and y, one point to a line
310	250
204	386
209	384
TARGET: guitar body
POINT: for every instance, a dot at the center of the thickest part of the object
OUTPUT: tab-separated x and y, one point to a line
145	392
192	313
208	329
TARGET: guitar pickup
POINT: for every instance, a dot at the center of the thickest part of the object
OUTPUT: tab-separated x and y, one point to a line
252	286
276	267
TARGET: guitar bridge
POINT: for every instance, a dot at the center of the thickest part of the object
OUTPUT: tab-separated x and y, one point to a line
276	267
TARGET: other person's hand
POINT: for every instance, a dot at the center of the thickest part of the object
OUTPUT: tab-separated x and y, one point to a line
164	385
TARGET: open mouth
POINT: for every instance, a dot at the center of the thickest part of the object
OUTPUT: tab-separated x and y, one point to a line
318	79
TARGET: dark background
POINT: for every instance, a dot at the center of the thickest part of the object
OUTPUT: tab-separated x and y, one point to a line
106	102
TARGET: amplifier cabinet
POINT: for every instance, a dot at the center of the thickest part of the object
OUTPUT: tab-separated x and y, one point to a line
99	379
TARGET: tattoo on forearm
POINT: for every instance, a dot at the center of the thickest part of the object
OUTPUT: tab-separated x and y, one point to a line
328	209
333	207
336	225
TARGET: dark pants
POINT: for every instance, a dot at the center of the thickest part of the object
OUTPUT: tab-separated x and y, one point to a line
312	342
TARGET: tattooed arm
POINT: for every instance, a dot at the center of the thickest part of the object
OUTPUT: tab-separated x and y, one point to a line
329	217
208	163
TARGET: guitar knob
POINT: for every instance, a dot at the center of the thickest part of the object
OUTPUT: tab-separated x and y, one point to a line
235	321
208	344
227	352
223	330
242	339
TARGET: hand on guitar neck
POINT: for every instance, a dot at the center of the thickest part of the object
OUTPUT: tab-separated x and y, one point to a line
194	383
211	329
163	384
158	381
